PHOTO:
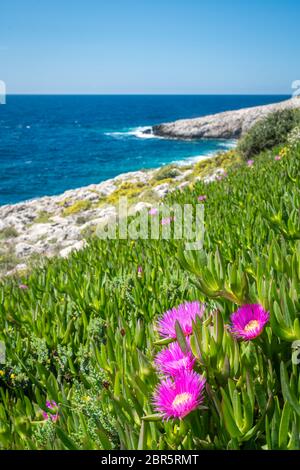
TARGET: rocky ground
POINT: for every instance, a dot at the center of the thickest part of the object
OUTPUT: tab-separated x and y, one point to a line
228	125
57	225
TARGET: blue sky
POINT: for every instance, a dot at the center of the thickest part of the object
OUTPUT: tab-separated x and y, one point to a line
149	46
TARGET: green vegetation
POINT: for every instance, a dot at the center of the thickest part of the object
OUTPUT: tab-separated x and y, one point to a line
166	172
269	132
8	232
8	260
78	206
80	332
43	217
81	220
128	189
224	160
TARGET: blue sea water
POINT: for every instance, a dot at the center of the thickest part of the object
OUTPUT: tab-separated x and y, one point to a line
49	144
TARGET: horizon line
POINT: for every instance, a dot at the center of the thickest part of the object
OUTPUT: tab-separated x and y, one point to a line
149	94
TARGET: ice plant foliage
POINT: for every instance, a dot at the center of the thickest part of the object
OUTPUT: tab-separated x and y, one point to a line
179	397
248	321
172	360
103	327
185	314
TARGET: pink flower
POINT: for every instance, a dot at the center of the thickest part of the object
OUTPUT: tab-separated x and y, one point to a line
221	176
250	162
203	197
167	220
153	211
23	286
51	405
185	314
277	158
140	271
248	321
177	398
172	360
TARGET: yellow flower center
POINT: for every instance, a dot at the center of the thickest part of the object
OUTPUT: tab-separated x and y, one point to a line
181	399
252	325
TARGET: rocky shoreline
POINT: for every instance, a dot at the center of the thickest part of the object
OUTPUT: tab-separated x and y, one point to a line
227	125
57	225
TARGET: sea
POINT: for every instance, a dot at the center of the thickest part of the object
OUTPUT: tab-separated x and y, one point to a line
51	143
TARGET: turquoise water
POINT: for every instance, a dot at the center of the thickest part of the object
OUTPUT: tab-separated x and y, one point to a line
49	144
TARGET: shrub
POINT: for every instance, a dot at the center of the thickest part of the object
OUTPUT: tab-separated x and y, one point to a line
128	189
209	165
42	217
77	207
269	132
166	172
81	220
8	232
8	260
294	137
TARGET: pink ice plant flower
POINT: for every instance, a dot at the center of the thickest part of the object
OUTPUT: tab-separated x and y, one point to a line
167	220
51	405
221	176
178	397
23	286
248	321
140	271
172	360
277	157
153	211
185	314
203	197
250	162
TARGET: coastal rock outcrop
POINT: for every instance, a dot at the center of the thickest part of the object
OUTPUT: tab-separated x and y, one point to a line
226	125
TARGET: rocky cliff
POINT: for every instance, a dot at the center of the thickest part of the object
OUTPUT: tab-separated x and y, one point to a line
227	125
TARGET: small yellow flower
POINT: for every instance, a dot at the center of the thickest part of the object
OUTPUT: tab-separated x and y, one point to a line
12	376
86	398
283	152
2	373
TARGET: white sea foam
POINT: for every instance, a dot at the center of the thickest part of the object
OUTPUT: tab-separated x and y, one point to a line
230	144
194	159
141	132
